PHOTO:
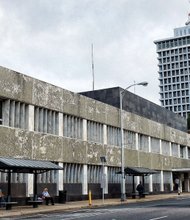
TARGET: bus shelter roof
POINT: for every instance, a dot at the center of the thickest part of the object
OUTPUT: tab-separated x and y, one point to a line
20	165
139	171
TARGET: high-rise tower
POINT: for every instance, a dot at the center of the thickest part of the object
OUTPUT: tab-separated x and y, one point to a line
174	70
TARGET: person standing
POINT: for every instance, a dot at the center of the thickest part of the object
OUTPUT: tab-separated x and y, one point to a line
177	186
140	189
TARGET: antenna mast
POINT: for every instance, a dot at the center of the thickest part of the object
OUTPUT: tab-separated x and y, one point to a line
92	55
188	21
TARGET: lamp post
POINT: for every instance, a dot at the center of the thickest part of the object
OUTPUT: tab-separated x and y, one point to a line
103	160
121	95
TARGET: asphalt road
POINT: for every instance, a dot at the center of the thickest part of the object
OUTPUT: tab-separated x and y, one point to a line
170	209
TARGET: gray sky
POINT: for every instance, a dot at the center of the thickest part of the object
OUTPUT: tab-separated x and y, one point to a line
51	40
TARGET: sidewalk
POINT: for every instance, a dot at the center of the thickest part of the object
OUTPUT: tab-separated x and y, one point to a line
29	210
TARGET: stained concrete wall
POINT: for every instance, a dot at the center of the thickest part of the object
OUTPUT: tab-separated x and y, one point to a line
22	88
32	145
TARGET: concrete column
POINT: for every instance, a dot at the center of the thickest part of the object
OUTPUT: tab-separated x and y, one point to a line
137	142
6	112
60	124
60	178
84	180
170	146
30	118
161	181
149	144
160	146
105	140
150	184
186	152
106	179
187	186
136	181
84	136
171	181
29	184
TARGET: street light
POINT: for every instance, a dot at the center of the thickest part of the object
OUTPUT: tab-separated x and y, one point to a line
121	95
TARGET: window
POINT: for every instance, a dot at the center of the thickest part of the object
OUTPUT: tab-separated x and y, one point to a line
72	126
17	114
94	132
165	148
129	139
155	145
46	120
143	142
113	136
94	174
182	151
174	149
112	177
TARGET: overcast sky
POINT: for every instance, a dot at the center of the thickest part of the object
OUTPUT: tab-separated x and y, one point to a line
51	40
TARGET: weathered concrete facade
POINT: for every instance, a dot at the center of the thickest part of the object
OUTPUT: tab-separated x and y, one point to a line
45	122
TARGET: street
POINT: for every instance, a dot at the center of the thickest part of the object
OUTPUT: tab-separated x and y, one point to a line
170	209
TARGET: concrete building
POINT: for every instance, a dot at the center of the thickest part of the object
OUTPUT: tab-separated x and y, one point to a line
174	70
44	122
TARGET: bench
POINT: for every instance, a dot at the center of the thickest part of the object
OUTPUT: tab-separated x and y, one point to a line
145	194
35	203
8	205
134	194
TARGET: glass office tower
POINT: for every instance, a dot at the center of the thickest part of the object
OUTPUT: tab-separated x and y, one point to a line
174	70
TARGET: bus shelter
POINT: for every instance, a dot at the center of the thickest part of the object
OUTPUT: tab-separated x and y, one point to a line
17	165
138	171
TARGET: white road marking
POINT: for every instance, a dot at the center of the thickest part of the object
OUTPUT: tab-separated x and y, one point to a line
158	218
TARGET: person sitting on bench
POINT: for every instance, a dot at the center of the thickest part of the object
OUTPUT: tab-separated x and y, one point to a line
46	196
2	198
